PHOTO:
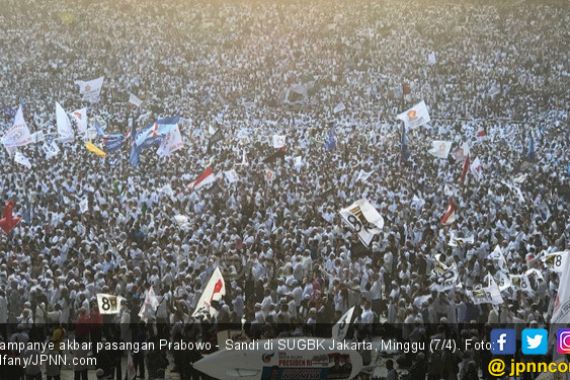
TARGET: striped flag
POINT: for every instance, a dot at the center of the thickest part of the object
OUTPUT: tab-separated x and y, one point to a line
205	178
450	214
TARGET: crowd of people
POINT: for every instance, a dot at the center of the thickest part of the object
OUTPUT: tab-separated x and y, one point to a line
494	76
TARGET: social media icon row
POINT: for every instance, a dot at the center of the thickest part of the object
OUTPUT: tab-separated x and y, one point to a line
534	341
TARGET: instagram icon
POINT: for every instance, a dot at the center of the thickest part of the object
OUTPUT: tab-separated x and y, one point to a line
563	341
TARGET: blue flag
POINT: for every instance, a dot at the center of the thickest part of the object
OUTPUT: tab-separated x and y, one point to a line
153	134
330	143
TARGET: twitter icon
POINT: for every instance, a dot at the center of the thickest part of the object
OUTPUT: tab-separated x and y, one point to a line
534	342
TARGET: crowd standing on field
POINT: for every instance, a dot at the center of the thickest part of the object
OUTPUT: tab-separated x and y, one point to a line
276	233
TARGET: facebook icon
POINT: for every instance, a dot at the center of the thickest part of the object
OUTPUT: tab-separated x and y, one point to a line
503	341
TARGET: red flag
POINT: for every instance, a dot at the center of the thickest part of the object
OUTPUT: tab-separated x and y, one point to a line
481	132
9	222
205	178
449	215
466	164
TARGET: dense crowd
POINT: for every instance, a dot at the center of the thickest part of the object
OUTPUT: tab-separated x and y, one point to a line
280	243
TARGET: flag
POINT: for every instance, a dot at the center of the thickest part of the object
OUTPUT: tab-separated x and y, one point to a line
213	292
19	134
80	118
109	304
231	176
404	154
94	149
416	116
449	216
64	129
50	149
22	160
481	132
476	169
363	219
489	294
84	205
330	142
148	308
279	141
205	178
340	329
466	166
440	149
9	221
531	152
278	153
90	89
363	175
557	260
134	100
154	134
461	152
339	108
171	143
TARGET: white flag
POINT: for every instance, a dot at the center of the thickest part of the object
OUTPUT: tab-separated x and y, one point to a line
279	141
38	136
339	107
490	294
363	219
64	129
231	176
80	118
214	291
148	308
416	116
22	160
51	150
363	175
440	149
109	304
90	89
84	205
561	312
19	134
477	169
171	143
340	329
134	100
556	261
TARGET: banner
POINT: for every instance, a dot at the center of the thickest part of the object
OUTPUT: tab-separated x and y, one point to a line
214	291
64	129
109	304
416	116
90	89
446	280
440	149
363	219
18	134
